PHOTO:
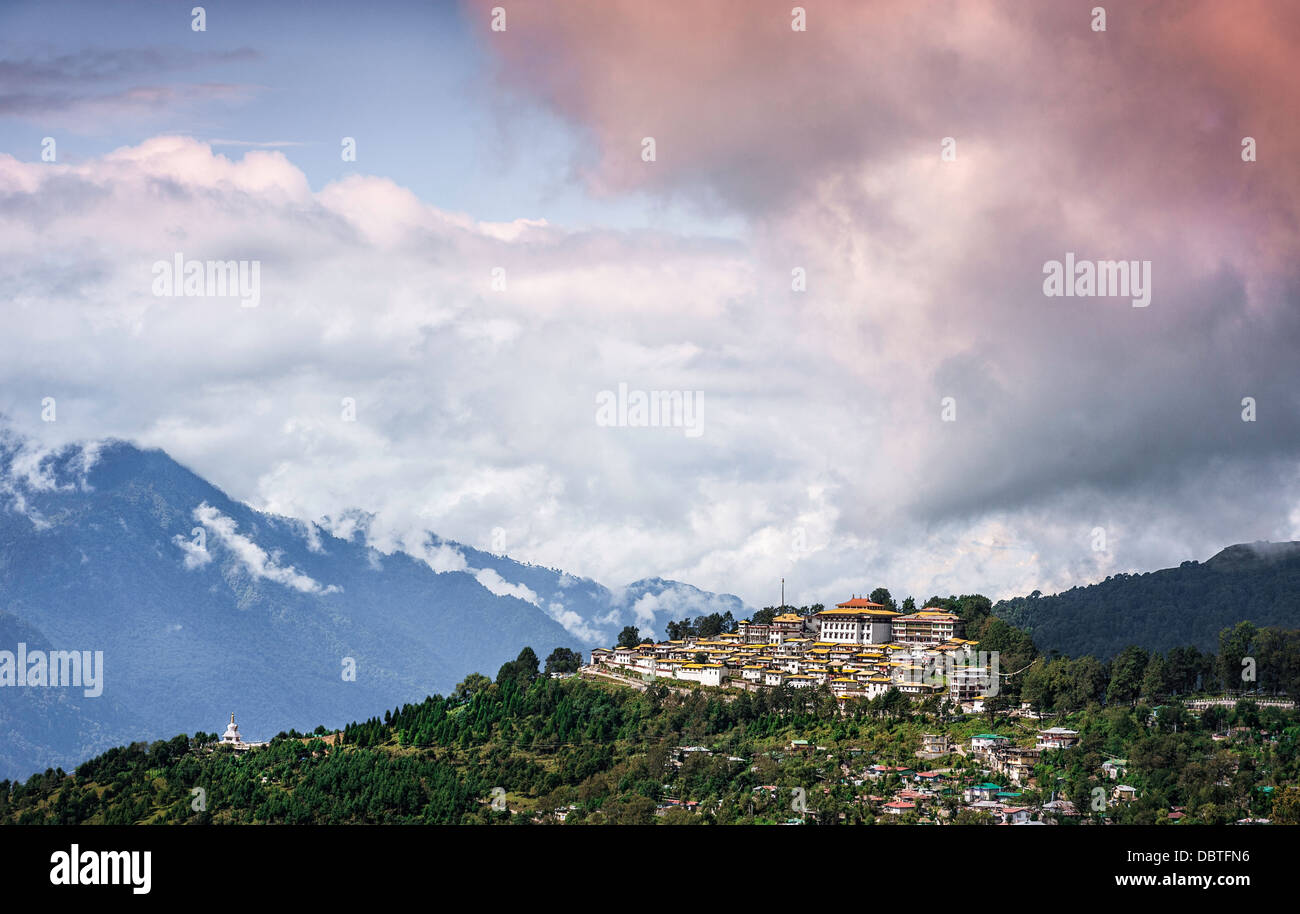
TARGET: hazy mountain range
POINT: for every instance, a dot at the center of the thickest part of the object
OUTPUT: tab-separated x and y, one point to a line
204	606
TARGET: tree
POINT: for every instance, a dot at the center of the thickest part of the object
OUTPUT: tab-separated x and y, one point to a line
1126	673
1286	808
881	595
470	685
528	664
1086	684
709	626
563	660
1155	681
630	636
522	670
1234	644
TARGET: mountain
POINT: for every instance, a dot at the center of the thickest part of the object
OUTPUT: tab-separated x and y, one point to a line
202	606
44	728
1188	605
590	611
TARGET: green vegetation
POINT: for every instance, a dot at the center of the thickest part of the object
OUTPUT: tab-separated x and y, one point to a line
530	747
1160	610
594	752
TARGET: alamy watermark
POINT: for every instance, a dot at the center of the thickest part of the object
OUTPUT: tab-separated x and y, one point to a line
59	669
77	867
1098	279
625	408
181	278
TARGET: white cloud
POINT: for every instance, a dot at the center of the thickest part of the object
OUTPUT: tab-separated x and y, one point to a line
575	624
196	553
475	408
503	588
252	557
30	467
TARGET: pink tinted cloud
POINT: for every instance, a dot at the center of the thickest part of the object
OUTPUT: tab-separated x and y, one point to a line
747	113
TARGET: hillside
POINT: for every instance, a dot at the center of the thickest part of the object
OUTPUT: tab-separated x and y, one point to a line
202	605
1159	610
531	748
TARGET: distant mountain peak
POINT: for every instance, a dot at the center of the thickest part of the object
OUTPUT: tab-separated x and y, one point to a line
1259	552
202	603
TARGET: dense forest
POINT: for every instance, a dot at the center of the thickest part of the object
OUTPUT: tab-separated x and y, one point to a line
537	744
1184	606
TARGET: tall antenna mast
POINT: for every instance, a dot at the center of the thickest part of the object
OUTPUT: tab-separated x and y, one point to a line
783	593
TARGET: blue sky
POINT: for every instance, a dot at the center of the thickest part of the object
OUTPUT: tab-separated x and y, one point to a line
411	82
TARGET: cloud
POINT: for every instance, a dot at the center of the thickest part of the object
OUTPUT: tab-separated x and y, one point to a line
248	554
26	467
493	581
94	88
824	458
196	552
576	625
749	114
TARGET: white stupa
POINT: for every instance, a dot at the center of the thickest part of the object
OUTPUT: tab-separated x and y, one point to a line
231	737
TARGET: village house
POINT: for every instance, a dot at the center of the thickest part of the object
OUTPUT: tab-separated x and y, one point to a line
1016	763
1115	768
786	626
928	626
930	779
985	742
935	743
1057	738
976	792
709	674
1015	815
899	807
1060	809
876	772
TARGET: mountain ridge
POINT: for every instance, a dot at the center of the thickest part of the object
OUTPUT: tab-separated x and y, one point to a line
1187	605
204	605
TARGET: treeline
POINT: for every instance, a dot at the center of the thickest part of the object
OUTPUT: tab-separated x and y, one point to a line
1250	659
288	782
439	761
1160	610
601	753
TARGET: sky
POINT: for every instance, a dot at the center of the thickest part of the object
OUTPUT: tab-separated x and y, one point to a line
835	257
